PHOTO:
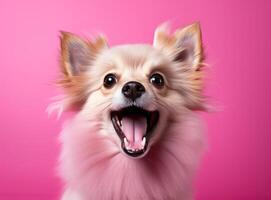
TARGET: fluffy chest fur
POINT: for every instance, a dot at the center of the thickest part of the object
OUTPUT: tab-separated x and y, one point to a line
94	168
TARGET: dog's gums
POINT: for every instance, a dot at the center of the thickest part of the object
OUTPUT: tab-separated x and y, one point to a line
134	126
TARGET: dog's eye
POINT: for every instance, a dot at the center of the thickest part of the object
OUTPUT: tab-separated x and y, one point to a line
110	80
157	80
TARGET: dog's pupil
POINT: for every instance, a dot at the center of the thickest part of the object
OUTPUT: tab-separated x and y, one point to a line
157	80
109	80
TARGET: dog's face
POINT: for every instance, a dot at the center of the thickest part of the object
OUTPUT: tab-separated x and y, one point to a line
134	91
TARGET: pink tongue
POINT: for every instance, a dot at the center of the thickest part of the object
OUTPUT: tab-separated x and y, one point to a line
134	127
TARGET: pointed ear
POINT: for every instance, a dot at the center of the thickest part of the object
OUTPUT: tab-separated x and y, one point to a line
77	54
183	46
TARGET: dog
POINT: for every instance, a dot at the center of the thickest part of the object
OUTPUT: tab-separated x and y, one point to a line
135	134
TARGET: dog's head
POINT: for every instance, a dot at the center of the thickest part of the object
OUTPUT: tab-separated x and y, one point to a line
134	91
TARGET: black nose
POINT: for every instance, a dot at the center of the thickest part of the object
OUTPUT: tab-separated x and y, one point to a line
133	90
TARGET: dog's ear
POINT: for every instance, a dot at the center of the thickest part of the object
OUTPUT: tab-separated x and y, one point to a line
184	49
183	46
77	56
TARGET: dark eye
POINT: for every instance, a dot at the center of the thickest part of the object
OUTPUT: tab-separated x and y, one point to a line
157	80
110	80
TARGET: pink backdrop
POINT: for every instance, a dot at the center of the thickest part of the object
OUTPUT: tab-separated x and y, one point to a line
237	41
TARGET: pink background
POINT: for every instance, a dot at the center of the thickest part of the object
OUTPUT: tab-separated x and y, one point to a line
237	40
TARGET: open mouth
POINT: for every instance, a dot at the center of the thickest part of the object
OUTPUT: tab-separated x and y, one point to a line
134	127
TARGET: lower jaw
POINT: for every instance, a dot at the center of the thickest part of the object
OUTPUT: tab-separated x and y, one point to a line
134	154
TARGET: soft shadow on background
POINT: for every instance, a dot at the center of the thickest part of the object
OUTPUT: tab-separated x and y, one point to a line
237	41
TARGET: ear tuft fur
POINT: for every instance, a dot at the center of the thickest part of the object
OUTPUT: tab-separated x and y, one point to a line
184	45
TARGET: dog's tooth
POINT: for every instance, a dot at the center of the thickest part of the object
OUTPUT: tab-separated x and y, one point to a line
118	122
126	142
143	142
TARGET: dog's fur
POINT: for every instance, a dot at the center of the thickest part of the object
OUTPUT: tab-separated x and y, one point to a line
93	164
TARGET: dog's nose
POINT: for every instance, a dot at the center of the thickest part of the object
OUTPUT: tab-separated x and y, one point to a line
133	90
